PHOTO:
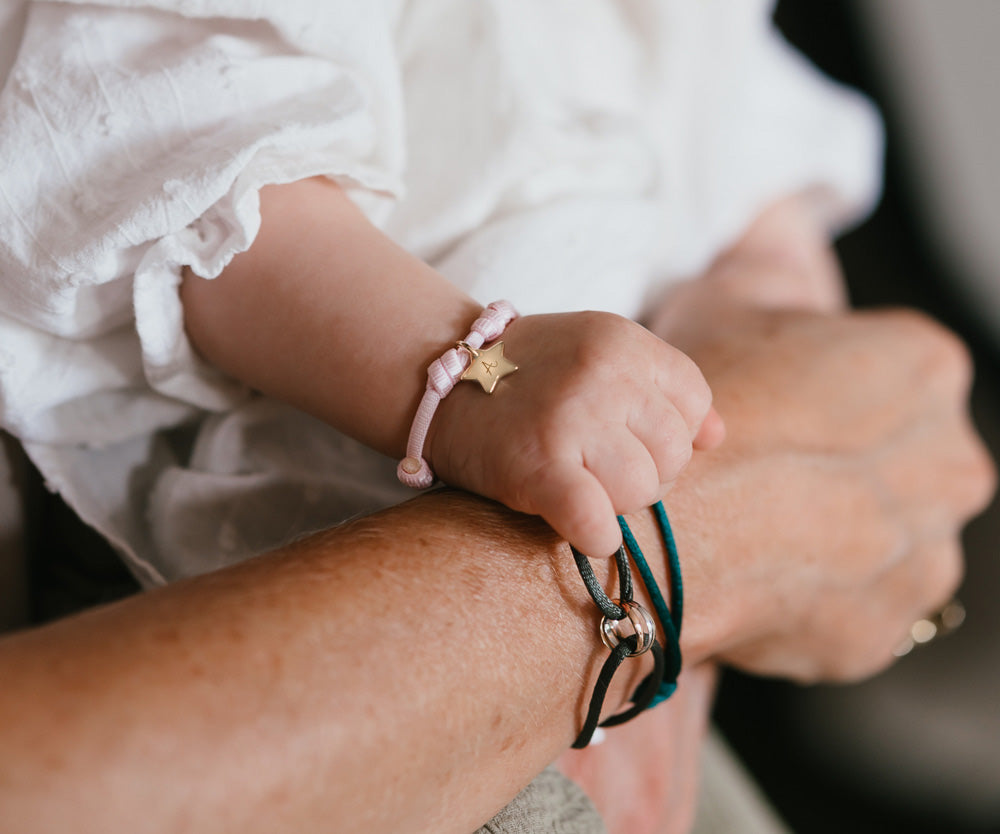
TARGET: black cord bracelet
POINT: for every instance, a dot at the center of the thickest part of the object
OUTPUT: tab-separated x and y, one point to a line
643	639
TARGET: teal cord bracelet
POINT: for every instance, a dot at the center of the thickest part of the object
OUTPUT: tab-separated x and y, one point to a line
674	563
669	620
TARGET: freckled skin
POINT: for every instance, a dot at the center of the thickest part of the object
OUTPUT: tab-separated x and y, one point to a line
413	630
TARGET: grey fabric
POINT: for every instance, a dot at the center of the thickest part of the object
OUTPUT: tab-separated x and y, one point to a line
728	802
551	804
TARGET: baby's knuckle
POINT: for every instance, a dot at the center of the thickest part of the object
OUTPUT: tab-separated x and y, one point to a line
608	328
534	485
641	489
581	516
675	457
686	386
599	355
701	393
547	440
697	393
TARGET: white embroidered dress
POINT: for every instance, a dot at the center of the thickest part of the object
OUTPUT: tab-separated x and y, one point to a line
565	154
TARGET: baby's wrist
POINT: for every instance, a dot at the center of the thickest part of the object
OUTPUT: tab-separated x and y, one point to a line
479	358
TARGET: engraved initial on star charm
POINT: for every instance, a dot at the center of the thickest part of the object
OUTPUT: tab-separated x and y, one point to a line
488	366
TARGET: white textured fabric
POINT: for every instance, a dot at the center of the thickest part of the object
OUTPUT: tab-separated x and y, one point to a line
565	155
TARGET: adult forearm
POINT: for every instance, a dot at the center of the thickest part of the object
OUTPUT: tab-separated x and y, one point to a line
410	671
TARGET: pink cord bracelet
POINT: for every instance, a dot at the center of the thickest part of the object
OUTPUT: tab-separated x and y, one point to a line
442	375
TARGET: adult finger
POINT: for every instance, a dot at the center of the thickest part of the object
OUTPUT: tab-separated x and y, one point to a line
848	634
939	474
880	617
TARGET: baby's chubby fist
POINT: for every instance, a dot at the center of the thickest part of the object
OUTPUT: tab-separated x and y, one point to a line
599	420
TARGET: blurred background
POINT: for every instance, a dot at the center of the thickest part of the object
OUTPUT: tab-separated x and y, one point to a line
917	749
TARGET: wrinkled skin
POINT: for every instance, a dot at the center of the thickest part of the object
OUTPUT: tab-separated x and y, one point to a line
843	490
827	522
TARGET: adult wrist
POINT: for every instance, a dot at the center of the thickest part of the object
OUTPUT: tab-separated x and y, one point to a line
635	669
705	621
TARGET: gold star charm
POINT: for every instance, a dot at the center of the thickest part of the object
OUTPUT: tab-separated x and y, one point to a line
488	366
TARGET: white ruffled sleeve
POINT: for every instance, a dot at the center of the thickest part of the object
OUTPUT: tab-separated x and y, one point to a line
744	119
135	138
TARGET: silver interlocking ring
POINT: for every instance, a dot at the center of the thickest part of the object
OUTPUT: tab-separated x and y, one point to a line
643	627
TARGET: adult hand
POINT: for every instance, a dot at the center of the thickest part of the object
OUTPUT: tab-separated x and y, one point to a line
813	538
829	521
643	778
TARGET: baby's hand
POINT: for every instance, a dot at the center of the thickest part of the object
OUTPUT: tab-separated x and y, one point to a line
599	420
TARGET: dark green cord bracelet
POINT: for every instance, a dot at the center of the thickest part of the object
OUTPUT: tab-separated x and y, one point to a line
670	620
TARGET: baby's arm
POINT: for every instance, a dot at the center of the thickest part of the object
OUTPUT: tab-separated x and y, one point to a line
326	313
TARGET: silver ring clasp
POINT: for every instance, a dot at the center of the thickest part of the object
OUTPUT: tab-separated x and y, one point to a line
643	627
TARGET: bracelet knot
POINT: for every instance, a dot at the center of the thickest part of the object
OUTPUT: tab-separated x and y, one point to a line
442	376
444	373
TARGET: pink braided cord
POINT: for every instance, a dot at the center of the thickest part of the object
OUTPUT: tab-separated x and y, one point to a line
442	375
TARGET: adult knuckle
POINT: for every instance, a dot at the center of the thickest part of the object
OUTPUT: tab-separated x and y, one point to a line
877	540
857	645
950	360
837	667
905	322
945	572
864	661
979	476
945	357
960	480
878	659
807	672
